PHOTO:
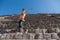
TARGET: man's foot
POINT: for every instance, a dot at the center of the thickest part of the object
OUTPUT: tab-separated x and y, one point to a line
19	33
26	31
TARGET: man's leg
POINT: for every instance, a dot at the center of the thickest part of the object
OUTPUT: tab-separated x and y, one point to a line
20	25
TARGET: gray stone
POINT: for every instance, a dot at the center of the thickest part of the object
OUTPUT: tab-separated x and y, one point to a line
47	35
54	36
40	36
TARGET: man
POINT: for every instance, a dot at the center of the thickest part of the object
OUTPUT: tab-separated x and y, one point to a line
22	19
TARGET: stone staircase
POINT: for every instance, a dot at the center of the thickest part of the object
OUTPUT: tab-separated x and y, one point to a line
40	34
43	27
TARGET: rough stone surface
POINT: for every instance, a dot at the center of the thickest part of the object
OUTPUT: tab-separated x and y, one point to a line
38	26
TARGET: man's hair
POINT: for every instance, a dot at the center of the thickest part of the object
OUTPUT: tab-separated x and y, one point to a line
23	9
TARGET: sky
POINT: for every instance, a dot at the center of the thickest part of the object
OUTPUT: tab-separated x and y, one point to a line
8	7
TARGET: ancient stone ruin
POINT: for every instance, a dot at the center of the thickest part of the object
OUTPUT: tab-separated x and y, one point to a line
36	26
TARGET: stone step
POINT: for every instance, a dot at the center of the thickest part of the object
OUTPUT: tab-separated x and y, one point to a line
29	36
56	30
28	39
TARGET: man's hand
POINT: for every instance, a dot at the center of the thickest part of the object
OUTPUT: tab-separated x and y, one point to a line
24	20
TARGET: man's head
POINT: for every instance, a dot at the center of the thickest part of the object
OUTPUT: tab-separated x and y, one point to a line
23	9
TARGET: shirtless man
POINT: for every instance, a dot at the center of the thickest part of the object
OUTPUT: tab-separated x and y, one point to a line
21	19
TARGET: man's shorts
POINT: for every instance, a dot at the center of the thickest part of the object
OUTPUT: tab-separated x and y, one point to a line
20	23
